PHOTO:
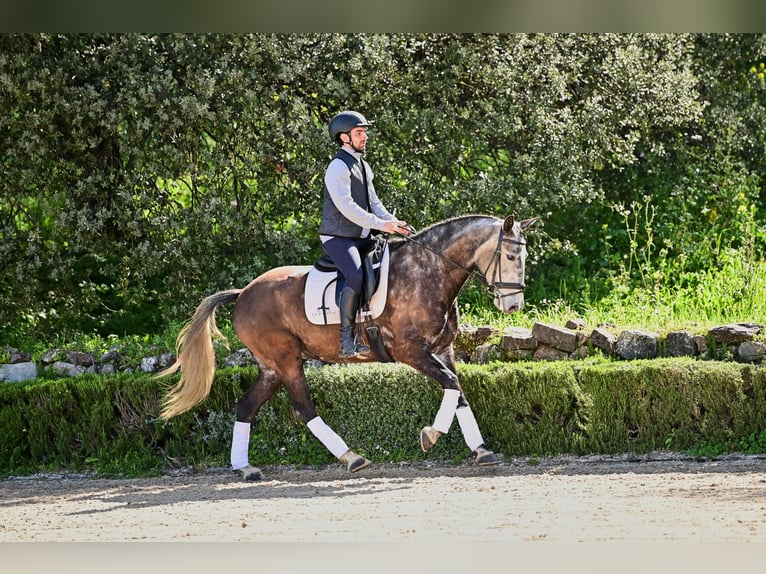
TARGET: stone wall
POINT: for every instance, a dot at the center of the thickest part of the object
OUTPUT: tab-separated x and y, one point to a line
736	341
544	342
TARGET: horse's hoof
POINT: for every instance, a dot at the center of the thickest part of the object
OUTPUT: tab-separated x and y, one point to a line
486	457
428	438
354	462
250	473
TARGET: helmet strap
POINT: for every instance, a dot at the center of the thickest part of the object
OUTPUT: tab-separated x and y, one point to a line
350	143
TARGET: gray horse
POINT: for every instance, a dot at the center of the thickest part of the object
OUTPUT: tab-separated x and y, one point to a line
418	327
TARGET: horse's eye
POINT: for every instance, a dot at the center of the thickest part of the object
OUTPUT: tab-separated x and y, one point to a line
511	257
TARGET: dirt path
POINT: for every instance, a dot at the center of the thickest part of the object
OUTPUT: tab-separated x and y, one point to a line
657	497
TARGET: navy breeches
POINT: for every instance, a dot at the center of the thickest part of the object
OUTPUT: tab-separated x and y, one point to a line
347	254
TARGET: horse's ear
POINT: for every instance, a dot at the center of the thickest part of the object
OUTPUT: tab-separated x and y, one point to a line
508	224
528	222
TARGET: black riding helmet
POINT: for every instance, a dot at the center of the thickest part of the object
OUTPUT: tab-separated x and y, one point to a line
344	122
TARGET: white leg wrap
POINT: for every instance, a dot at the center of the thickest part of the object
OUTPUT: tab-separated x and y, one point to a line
446	412
469	427
327	437
240	442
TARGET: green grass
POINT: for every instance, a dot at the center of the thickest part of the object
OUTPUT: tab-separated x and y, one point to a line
732	293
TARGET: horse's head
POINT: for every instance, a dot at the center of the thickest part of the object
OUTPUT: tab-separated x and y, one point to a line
505	276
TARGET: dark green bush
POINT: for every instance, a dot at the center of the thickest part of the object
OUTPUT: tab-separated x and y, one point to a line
141	172
528	408
110	424
678	404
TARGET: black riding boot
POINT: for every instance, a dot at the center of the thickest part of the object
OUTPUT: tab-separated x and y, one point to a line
349	302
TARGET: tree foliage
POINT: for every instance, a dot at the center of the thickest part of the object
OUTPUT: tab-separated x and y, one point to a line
140	172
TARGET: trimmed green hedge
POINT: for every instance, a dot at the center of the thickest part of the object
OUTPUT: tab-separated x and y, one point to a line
110	424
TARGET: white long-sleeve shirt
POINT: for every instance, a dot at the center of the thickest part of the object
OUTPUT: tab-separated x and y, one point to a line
338	181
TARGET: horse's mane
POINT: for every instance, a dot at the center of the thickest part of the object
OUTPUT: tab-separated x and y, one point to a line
424	233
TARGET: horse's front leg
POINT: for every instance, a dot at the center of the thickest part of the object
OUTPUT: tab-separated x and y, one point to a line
453	405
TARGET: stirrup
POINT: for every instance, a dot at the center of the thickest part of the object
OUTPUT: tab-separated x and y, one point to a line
352	350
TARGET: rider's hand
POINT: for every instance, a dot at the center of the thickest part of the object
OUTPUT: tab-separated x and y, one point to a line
399	227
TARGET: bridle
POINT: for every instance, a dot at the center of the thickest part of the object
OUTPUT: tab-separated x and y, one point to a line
497	259
492	286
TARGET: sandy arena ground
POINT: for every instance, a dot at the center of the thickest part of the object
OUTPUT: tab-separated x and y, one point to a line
659	497
629	514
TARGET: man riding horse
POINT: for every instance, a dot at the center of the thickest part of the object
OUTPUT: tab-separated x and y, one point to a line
418	324
351	211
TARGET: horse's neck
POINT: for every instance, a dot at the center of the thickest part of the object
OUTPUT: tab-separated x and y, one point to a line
448	254
468	243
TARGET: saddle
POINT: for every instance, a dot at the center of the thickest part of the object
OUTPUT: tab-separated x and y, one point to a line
324	284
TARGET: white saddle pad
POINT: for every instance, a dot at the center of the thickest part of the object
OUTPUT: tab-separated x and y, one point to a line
319	296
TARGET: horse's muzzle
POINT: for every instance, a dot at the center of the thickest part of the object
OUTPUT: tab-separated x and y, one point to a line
510	303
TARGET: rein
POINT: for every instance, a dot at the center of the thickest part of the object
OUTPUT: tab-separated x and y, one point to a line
496	271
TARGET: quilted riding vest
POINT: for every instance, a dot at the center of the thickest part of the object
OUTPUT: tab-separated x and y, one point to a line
333	221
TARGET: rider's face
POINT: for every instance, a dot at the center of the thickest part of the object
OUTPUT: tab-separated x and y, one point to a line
358	138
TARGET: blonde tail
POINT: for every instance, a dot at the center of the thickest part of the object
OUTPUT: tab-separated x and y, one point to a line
195	356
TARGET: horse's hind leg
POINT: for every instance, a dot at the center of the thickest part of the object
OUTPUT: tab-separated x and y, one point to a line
298	391
468	426
247	407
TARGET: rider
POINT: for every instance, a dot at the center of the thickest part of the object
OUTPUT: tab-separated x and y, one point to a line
351	210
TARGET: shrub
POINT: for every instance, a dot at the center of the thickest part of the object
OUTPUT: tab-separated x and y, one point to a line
110	424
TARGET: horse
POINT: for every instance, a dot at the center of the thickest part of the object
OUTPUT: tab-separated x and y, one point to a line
418	326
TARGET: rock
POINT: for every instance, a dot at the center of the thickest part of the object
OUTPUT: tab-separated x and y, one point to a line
517	339
112	356
637	344
79	359
680	344
108	369
462	356
15	356
581	353
575	324
735	332
560	338
604	340
484	332
51	356
240	358
548	353
486	353
751	351
469	335
468	338
519	355
16	372
150	364
700	343
65	369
